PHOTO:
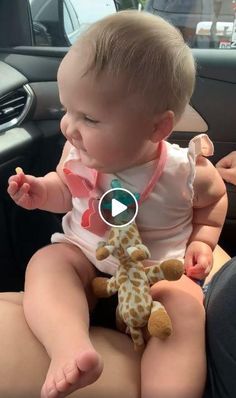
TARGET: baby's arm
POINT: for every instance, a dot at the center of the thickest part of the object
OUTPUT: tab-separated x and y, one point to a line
46	193
209	211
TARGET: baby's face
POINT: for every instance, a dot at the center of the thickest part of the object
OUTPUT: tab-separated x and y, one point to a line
108	129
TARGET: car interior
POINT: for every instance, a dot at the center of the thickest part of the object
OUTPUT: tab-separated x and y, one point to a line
30	112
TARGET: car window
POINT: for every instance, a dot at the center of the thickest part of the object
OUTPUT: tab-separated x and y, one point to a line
52	28
79	14
203	23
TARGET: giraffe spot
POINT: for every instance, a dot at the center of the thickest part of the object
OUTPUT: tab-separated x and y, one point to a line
137	275
136	289
136	283
133	313
122	280
140	308
137	299
134	323
147	315
130	235
133	228
137	242
135	335
128	297
146	298
121	299
124	288
112	242
125	240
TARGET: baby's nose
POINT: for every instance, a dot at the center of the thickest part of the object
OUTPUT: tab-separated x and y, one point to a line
73	132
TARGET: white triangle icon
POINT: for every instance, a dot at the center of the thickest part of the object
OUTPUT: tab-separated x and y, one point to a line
117	207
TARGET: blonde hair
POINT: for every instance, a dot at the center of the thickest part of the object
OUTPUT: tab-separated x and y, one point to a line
149	53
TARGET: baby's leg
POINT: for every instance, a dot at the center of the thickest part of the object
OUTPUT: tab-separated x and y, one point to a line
58	278
24	362
176	367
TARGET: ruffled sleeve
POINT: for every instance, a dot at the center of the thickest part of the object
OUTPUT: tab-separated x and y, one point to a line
199	145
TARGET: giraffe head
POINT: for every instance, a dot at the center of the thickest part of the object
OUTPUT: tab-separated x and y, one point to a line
127	243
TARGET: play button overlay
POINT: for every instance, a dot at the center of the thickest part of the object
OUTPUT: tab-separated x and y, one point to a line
118	207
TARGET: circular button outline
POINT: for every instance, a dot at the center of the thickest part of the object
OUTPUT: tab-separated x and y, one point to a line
115	225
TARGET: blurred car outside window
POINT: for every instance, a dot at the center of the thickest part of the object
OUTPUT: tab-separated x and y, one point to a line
203	23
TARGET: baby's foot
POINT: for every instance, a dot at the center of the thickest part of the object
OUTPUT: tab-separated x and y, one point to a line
69	373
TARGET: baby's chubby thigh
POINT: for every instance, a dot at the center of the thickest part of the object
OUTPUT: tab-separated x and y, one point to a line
183	288
182	299
176	367
58	266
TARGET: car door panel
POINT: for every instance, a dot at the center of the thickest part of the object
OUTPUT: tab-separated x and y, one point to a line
35	145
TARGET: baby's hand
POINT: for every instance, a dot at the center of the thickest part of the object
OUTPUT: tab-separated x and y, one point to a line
27	191
198	260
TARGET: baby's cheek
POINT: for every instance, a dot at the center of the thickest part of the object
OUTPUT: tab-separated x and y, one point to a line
99	147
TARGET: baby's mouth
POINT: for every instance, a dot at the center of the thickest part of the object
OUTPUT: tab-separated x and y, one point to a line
78	145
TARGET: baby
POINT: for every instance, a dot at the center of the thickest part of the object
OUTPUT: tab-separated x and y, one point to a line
124	84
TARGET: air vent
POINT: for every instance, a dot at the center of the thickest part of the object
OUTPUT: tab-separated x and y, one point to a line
14	107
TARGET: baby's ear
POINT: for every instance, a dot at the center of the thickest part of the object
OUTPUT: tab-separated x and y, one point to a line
163	126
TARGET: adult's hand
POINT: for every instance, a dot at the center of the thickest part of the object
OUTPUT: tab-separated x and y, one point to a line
227	167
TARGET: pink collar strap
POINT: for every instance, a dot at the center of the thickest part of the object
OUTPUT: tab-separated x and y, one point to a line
161	161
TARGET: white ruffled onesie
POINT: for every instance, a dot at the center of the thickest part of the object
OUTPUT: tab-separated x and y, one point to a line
164	219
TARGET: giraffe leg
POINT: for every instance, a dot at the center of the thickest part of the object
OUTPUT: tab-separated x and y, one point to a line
120	324
103	251
99	287
159	323
137	337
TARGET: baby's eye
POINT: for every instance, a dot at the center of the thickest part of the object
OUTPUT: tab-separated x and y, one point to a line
90	120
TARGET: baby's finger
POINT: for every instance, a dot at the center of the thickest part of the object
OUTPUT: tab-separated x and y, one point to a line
188	261
208	270
197	272
17	196
13	187
24	200
18	178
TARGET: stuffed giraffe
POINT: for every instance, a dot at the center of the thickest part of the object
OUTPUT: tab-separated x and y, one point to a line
136	312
